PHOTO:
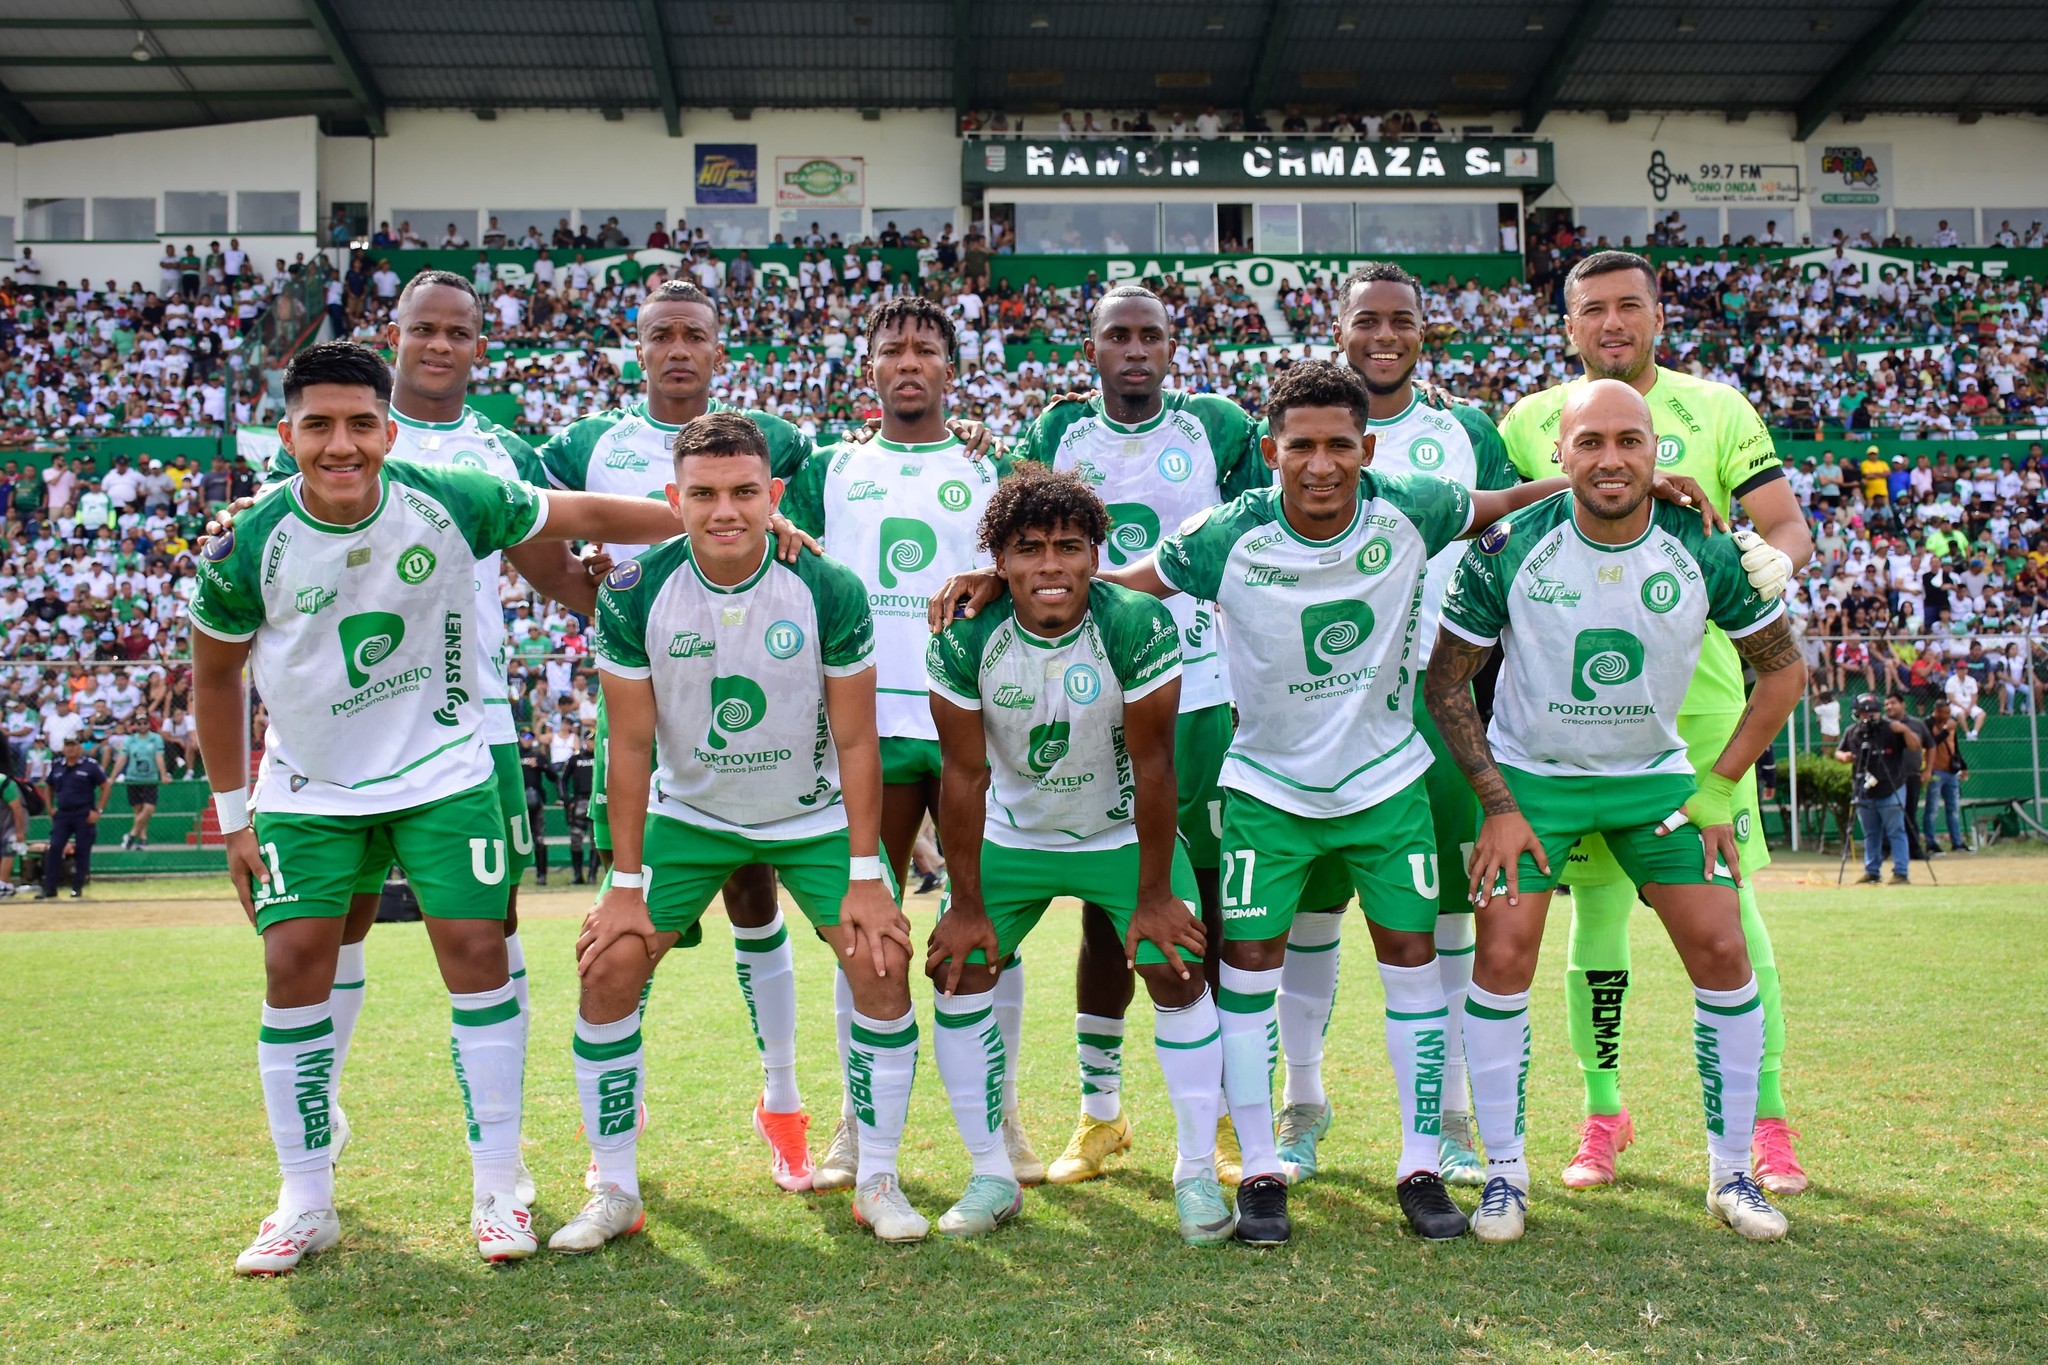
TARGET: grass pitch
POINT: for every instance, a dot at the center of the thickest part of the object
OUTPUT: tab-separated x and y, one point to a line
134	1164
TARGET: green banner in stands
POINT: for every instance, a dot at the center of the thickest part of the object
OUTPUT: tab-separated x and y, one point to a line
515	268
1256	272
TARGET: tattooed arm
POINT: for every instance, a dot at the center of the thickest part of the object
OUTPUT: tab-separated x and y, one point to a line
1773	652
1505	835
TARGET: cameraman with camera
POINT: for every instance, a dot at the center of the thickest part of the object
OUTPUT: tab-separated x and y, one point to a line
1877	744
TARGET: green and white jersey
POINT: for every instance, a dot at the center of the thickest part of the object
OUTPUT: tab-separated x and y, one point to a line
1052	714
626	452
1460	445
1705	430
1197	452
905	518
1599	642
742	743
1322	643
472	441
365	647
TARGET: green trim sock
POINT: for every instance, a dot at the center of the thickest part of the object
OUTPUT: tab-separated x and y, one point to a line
968	1043
881	1065
1010	1017
1189	1042
487	1047
766	969
1251	1044
1307	999
611	1079
1099	1041
1497	1056
1456	936
1596	983
351	984
1415	1050
297	1058
1728	1047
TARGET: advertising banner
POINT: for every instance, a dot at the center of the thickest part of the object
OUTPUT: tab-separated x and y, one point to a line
1303	164
728	173
1850	172
820	182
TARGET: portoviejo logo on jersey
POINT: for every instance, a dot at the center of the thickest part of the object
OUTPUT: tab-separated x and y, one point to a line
1133	531
954	495
1330	630
908	545
1427	453
1670	450
416	565
369	638
1175	464
783	639
737	705
1083	684
1661	592
1047	745
1605	657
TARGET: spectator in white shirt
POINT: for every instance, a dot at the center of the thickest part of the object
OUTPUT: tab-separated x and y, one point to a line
1961	689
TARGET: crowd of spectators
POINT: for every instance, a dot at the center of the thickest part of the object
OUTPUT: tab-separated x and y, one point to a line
1210	123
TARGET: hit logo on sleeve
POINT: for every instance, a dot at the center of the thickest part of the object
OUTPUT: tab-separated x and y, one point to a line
742	743
365	650
1600	641
1322	646
1053	713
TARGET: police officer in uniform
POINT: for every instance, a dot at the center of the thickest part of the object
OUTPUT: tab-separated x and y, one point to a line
77	790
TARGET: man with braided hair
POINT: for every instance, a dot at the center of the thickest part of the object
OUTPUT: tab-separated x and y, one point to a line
901	511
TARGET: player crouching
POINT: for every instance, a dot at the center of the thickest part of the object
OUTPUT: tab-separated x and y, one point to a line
751	682
1056	711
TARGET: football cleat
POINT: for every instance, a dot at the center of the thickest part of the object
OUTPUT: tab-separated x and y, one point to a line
1457	1151
1028	1166
1300	1127
841	1164
1094	1142
1772	1161
1503	1210
286	1238
881	1206
503	1229
1262	1212
1206	1218
1602	1137
1742	1206
789	1152
611	1212
1229	1159
988	1202
1429	1208
523	1188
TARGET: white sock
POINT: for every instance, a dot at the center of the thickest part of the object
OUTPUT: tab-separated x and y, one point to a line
1497	1055
515	968
611	1078
350	978
1415	1049
1189	1041
1728	1045
1308	996
488	1048
297	1058
969	1044
767	973
1251	1041
1099	1039
1454	950
1010	1016
881	1063
842	1017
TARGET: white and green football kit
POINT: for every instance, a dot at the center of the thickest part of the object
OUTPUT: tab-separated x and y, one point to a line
1062	821
625	451
905	518
1599	643
1197	452
472	441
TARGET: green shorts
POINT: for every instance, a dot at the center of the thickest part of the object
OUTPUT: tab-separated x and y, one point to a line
600	764
1453	810
1019	883
1387	850
687	864
1625	810
909	760
1200	739
316	861
1592	864
512	801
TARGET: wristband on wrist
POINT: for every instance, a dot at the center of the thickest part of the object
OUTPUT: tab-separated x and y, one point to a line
868	869
632	881
1714	802
233	810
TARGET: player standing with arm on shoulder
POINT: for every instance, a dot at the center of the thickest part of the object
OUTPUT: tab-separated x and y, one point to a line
1710	432
902	511
1156	457
375	700
1587	741
743	704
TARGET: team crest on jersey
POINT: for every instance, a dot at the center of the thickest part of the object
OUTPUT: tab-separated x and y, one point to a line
1660	592
1670	450
783	639
467	459
1494	538
624	576
953	496
1426	453
416	565
1083	684
1175	464
1375	555
220	547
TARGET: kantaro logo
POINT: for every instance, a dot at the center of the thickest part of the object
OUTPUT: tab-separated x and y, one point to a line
908	545
737	704
1133	530
1330	629
783	639
1047	745
416	565
1604	658
367	639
